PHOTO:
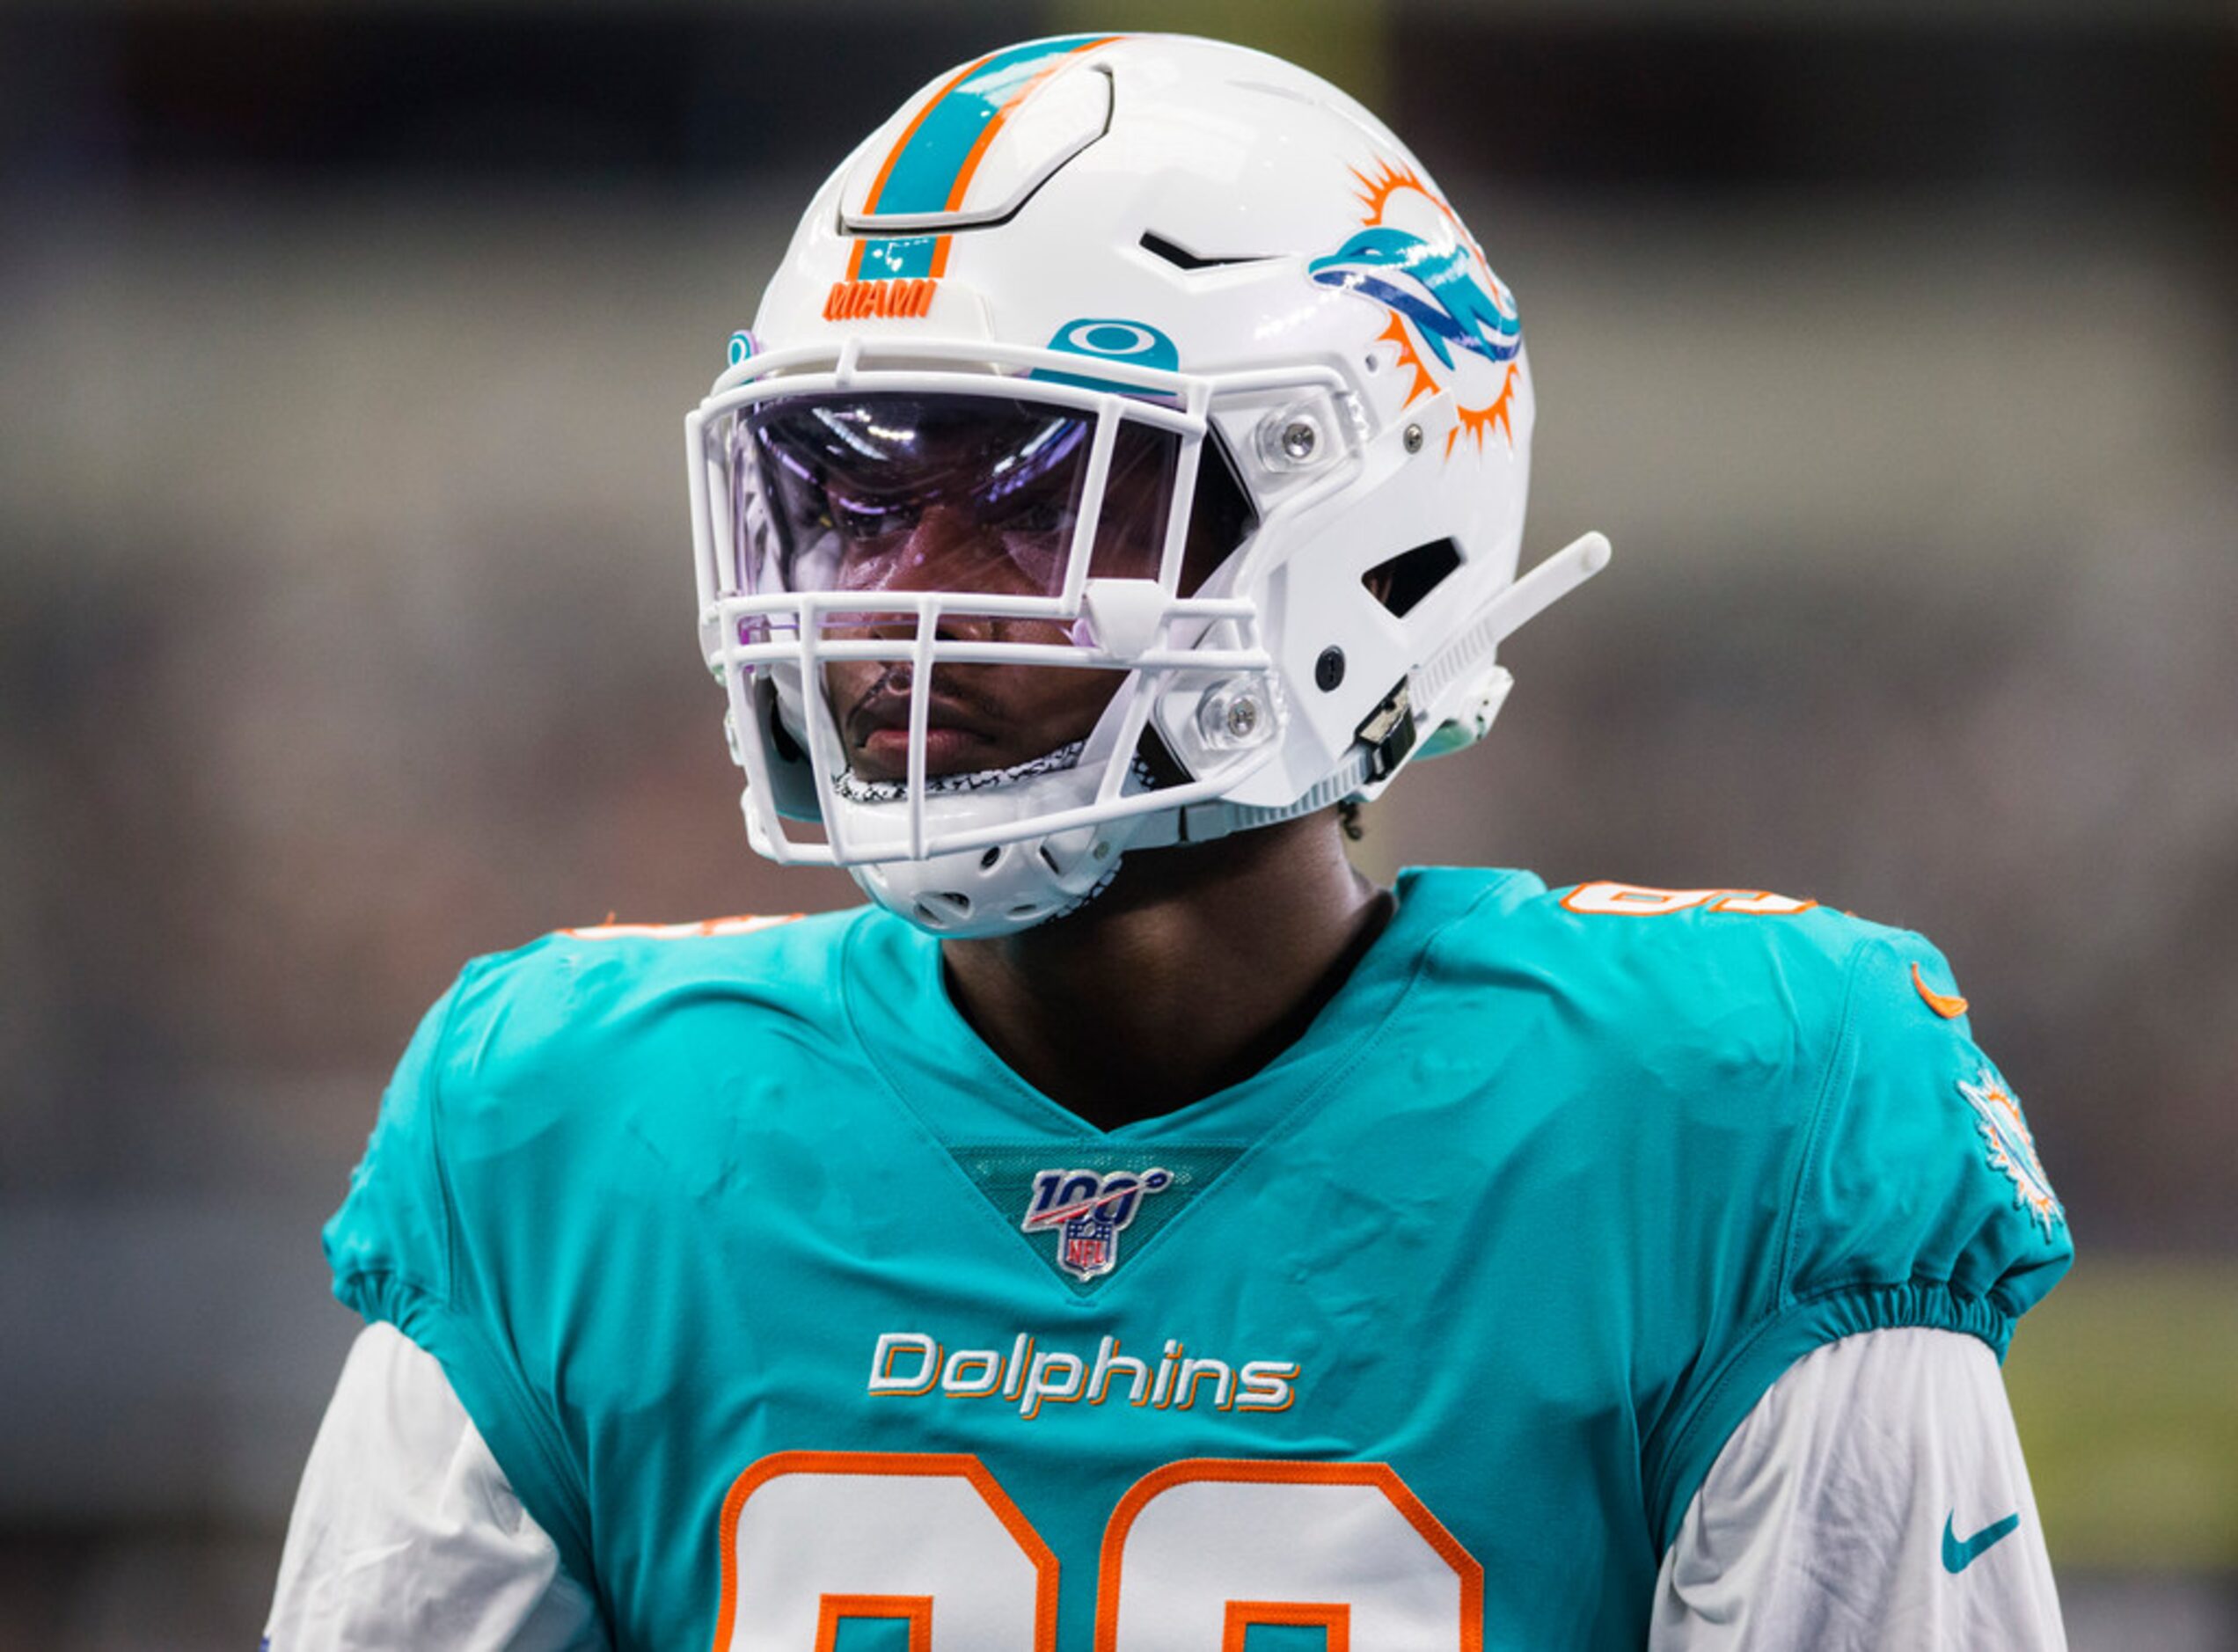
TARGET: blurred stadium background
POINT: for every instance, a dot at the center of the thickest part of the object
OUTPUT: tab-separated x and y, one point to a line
346	621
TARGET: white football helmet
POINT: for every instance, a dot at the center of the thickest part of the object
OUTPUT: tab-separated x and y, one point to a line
1152	378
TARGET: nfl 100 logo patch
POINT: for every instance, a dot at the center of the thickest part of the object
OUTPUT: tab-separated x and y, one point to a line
1071	1217
1088	1210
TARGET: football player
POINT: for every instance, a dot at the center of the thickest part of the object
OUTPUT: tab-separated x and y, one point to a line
1132	1229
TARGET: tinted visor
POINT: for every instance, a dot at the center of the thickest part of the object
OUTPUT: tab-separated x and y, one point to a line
942	493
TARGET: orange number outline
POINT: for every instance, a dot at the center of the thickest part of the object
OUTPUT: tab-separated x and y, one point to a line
1334	1616
1606	899
1196	1470
914	1609
955	1464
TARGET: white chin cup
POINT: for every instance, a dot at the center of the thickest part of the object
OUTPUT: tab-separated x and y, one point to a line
973	894
1001	889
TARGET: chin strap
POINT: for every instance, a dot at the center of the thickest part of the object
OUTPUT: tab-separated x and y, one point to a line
1199	823
855	789
1101	884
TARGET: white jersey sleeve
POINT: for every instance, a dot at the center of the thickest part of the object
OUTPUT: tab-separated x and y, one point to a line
407	1533
1875	1497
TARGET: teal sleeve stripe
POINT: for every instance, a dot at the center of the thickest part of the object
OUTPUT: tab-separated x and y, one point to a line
521	1437
1674	1474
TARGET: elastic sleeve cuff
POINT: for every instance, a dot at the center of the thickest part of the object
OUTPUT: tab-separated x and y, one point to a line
524	1440
1675	1472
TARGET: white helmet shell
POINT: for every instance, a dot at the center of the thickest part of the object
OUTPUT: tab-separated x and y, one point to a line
1163	231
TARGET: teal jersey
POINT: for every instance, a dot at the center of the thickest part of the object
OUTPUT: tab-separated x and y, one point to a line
801	1322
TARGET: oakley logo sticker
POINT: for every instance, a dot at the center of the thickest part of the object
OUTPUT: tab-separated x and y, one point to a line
1129	341
1112	339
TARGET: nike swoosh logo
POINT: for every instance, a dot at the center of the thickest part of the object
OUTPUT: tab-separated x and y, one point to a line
1957	1556
1949	1005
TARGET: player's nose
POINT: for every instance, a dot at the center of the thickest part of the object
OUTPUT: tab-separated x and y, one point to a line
947	550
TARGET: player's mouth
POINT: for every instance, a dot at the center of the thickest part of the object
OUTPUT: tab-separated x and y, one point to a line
959	735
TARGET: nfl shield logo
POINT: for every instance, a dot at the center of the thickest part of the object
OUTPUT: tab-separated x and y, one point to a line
1089	1211
1087	1254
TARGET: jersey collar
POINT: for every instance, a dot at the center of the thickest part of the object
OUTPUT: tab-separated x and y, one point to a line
898	1006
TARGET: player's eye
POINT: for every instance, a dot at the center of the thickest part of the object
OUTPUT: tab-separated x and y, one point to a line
864	519
1033	514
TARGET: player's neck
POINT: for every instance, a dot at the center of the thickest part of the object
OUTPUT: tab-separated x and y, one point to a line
1194	970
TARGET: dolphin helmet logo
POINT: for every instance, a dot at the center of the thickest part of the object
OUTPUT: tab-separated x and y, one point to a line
1413	257
1433	287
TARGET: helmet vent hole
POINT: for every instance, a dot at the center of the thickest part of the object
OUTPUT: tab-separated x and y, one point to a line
1025	909
1049	860
1402	583
939	911
1180	257
987	861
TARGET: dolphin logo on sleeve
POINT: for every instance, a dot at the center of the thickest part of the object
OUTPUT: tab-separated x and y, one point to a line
1431	286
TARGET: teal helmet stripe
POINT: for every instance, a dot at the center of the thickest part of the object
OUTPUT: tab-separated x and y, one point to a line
926	170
